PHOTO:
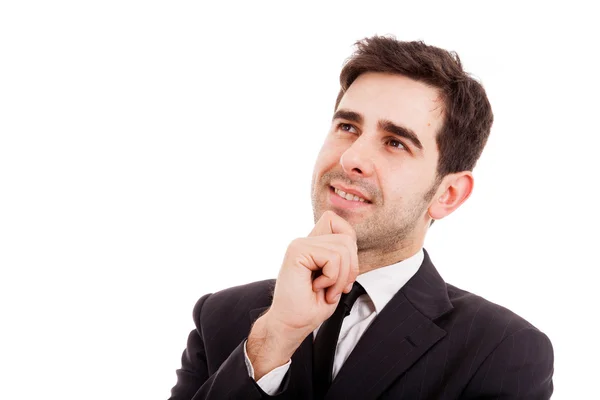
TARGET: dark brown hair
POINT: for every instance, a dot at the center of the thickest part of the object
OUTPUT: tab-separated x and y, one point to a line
467	112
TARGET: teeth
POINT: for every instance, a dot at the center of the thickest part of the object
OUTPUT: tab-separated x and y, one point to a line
348	196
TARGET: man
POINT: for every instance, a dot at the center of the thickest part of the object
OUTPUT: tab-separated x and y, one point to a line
408	127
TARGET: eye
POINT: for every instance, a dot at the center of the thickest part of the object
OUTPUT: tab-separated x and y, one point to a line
397	144
346	127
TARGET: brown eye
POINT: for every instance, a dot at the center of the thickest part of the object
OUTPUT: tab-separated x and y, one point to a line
346	127
397	144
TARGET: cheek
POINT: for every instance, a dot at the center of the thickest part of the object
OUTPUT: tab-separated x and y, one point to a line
323	164
402	181
328	156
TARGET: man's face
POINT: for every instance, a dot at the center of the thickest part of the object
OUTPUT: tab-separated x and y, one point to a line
382	144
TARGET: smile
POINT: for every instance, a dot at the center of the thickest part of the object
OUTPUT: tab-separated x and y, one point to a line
342	199
348	196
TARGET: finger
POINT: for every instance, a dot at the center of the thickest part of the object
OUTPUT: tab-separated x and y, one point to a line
350	244
330	223
325	264
335	238
342	246
335	273
354	266
345	242
322	282
348	288
352	273
342	276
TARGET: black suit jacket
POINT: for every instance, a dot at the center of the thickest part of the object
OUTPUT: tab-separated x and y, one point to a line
431	341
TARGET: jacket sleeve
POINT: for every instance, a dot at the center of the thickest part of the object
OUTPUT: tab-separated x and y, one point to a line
521	367
270	382
230	381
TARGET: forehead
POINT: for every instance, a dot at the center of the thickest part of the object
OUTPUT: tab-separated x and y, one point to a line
401	100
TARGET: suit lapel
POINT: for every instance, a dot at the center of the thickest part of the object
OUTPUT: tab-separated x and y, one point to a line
400	335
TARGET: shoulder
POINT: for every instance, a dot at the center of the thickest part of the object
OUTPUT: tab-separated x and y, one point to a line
476	310
235	300
504	353
479	320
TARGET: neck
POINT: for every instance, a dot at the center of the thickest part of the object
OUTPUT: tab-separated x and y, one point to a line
374	258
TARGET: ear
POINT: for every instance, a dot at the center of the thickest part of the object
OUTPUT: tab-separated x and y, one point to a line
458	188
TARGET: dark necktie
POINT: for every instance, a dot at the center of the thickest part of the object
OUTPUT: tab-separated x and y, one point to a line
326	342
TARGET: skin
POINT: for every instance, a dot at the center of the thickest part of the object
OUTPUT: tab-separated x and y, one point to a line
397	176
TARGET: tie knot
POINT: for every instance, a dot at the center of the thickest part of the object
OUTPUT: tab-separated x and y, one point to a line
350	298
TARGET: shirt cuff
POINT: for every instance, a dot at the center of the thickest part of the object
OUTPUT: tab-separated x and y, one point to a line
271	382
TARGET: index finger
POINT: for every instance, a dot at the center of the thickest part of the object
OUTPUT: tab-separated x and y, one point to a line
330	223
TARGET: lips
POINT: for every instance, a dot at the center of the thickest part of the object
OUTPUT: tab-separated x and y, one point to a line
352	191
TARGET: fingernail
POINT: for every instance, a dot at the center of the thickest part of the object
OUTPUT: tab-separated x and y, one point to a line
337	298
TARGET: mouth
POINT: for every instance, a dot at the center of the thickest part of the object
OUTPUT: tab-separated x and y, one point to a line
341	199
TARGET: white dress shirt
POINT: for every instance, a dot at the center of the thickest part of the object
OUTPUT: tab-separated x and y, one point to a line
381	285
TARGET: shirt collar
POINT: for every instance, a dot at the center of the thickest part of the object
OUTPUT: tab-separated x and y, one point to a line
383	283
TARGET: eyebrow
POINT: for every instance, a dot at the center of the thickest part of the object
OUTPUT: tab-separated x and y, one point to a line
385	125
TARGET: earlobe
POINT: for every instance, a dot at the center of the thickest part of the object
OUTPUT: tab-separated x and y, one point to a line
458	189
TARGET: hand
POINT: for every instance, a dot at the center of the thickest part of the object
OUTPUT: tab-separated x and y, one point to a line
316	270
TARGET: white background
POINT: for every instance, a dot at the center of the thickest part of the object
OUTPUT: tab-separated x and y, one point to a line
154	151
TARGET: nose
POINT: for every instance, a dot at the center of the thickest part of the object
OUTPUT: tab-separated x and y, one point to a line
357	160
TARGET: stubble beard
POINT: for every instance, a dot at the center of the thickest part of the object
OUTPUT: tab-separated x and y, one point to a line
385	231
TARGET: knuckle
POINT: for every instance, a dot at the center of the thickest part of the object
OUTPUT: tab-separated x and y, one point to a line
350	242
346	258
337	258
295	247
296	243
334	261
